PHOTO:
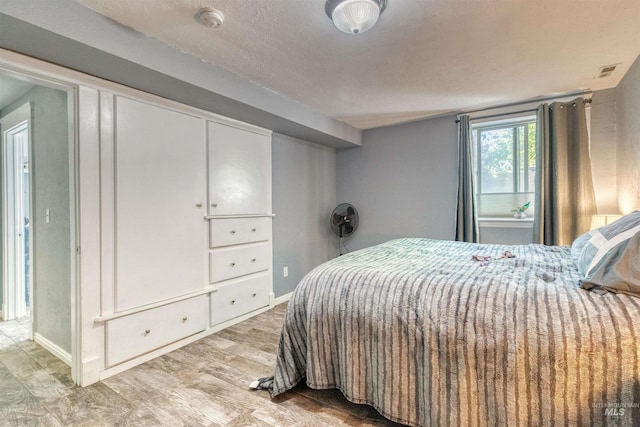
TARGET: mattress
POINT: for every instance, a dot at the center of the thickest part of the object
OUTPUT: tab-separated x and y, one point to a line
443	333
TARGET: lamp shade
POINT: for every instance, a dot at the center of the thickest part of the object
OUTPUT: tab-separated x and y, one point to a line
354	16
598	221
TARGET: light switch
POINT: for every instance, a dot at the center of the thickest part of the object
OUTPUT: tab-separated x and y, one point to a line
285	271
47	217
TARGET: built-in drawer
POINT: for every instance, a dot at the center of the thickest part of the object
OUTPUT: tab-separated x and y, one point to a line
229	262
235	231
239	297
139	333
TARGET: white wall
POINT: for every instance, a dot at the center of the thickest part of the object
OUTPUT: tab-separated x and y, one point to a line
304	194
403	181
628	139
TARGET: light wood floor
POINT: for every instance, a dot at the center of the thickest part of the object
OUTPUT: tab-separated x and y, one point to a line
202	384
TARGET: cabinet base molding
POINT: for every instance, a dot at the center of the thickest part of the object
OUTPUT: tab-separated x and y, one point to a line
52	348
89	372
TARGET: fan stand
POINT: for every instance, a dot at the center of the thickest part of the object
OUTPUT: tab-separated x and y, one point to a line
341	227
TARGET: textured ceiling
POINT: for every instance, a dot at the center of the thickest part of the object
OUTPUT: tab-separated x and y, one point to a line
423	58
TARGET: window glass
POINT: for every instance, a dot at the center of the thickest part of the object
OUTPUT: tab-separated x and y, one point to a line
505	165
496	160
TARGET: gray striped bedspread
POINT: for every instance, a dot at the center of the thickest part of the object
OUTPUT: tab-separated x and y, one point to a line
430	337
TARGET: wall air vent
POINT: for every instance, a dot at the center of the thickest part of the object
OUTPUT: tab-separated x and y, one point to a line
606	71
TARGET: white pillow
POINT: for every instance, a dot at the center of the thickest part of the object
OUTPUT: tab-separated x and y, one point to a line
605	239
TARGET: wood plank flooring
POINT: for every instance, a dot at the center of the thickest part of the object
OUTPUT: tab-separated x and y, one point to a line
202	384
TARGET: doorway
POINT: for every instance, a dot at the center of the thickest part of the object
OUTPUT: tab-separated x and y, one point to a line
16	213
37	213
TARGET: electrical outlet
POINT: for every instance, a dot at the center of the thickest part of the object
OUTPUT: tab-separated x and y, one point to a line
285	271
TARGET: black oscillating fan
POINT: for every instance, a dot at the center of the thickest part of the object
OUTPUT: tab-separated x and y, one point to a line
344	221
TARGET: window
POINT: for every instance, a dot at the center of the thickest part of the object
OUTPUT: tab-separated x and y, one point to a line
505	165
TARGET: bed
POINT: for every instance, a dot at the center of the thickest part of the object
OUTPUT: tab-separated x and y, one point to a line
443	333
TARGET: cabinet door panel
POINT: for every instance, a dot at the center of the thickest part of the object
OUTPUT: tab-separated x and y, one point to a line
239	171
160	181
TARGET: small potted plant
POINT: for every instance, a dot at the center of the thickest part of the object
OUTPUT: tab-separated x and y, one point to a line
519	212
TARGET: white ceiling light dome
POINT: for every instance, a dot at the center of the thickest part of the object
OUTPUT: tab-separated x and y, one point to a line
354	16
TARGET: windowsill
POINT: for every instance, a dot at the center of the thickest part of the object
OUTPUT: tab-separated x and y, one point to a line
505	222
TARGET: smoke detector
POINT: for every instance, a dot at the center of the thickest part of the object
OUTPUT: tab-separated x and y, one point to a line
210	17
606	71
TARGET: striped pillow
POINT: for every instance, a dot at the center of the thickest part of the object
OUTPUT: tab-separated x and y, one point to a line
604	240
578	245
619	271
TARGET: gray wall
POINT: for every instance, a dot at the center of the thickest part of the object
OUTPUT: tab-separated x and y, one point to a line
505	235
403	181
51	242
603	150
628	139
304	194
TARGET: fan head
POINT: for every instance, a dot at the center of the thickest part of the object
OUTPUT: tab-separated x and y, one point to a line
344	220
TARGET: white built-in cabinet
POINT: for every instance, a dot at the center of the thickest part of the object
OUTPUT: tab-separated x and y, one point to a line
186	225
240	255
173	222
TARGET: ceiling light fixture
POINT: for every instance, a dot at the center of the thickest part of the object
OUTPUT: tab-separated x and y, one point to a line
354	16
210	17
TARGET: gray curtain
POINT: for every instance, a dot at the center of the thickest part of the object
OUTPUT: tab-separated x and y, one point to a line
467	212
565	200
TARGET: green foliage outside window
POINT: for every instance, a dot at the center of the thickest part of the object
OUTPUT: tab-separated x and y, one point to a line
506	157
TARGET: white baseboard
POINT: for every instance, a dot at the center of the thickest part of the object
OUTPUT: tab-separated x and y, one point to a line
53	348
282	298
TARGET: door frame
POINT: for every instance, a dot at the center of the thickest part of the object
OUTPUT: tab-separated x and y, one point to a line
43	74
12	308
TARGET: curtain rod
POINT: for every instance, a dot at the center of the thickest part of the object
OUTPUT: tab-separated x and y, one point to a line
586	101
490	116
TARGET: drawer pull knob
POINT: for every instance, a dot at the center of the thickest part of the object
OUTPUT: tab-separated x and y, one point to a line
254	295
254	230
184	319
233	232
214	205
253	260
198	205
233	264
147	331
233	301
